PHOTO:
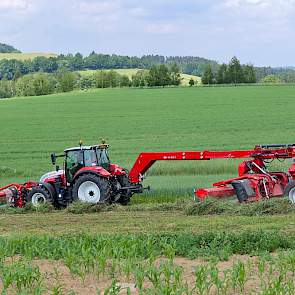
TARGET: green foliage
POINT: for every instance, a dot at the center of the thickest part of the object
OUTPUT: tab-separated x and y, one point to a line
44	84
7	89
208	76
191	82
66	81
222	74
5	48
175	77
9	66
159	76
140	78
234	72
25	86
20	275
271	79
122	246
38	84
249	74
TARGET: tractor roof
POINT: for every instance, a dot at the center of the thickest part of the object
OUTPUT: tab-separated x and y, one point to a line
89	147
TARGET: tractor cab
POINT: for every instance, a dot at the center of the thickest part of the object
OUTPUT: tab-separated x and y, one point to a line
84	156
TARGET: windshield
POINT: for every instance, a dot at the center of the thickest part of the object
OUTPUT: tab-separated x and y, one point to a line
74	158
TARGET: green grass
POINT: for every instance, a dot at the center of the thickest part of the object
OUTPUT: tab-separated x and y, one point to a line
128	241
131	72
136	120
25	56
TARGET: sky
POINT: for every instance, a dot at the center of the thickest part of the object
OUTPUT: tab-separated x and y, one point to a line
261	32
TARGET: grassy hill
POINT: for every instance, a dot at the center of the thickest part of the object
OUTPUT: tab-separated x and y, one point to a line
25	56
131	72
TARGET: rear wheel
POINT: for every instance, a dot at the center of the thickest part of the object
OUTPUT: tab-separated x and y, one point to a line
39	196
90	188
290	191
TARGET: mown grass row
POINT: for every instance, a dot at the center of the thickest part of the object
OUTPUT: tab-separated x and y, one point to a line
185	205
135	257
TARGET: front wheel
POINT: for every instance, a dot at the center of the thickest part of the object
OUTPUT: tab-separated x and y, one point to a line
92	189
39	195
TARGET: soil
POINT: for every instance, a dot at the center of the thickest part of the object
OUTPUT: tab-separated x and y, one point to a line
57	275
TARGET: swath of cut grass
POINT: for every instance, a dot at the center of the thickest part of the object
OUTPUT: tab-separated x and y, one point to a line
29	208
211	206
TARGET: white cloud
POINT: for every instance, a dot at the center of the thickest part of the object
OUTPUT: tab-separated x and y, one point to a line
161	28
100	7
274	5
19	6
138	12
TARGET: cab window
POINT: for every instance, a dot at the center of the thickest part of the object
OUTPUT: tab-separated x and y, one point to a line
90	158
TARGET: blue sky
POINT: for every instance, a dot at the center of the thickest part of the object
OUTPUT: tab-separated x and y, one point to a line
261	32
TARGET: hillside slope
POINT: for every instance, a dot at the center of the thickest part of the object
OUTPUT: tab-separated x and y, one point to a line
130	72
25	56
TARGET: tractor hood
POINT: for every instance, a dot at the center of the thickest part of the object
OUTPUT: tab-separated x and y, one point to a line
51	175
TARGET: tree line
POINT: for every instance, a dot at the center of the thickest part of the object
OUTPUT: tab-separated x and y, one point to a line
95	61
63	81
231	73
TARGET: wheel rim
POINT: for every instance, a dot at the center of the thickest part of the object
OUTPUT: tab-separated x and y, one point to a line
89	192
38	199
292	195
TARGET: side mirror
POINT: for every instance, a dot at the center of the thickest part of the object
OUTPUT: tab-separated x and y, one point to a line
53	158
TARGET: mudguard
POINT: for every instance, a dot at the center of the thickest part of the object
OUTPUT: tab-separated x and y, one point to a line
94	170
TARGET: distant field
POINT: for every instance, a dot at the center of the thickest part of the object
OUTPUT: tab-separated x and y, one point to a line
131	72
25	56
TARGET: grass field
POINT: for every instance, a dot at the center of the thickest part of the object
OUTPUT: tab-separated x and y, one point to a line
146	247
25	56
130	72
136	120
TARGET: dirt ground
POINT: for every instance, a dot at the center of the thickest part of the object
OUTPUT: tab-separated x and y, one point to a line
57	275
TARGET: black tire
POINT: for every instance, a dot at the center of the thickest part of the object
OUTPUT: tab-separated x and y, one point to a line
241	193
97	181
125	196
39	195
288	187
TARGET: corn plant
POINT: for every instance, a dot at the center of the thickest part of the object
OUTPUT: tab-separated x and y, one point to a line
202	281
239	276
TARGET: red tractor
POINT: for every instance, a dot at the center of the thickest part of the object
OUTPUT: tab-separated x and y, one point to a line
87	176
